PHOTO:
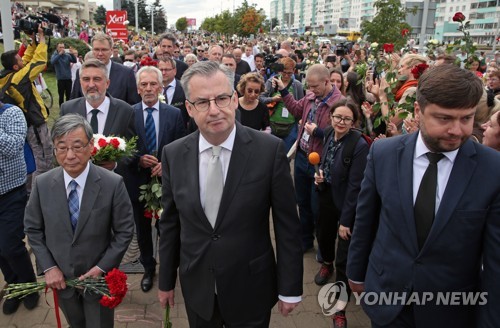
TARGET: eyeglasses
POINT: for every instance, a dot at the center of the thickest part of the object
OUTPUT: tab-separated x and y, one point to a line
256	91
96	50
338	119
166	69
61	150
203	105
201	50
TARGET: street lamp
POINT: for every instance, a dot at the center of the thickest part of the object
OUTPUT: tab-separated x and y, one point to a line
153	9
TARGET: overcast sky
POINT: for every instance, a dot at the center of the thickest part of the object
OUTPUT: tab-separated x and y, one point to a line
199	9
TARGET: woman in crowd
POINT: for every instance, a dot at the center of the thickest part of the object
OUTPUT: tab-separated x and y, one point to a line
254	114
474	66
337	79
491	134
339	186
190	59
283	123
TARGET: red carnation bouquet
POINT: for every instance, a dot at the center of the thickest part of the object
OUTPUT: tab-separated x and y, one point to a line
112	149
388	48
419	69
148	61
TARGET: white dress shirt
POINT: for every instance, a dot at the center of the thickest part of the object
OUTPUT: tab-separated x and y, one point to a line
171	91
80	180
420	163
101	116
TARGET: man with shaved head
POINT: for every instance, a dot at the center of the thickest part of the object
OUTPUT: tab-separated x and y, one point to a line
215	53
242	66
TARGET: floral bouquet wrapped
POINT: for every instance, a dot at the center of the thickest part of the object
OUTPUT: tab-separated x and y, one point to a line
112	149
113	287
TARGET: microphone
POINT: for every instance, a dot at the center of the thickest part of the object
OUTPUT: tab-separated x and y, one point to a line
314	159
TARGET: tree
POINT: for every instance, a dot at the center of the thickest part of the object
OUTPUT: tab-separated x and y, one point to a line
251	21
160	22
181	24
100	15
388	23
144	17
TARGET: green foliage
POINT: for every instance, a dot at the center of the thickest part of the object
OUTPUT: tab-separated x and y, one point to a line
144	15
77	44
181	24
100	15
465	44
246	20
388	23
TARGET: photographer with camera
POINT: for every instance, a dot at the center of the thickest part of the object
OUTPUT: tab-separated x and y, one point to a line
16	82
62	59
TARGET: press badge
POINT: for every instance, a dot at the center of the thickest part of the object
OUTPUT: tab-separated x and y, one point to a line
305	136
284	113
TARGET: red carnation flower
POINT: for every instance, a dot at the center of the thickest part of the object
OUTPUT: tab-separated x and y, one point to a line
458	17
102	142
419	69
156	215
405	31
148	214
115	143
94	151
388	48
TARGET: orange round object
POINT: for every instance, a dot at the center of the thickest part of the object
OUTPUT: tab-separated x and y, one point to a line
314	158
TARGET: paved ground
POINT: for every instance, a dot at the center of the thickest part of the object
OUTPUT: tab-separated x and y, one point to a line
143	310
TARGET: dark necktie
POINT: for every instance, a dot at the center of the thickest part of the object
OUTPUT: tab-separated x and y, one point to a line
425	204
150	131
93	121
73	204
165	93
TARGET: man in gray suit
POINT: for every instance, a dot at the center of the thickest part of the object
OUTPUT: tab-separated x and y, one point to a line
219	185
79	222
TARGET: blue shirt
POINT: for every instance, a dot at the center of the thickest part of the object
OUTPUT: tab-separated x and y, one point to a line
62	65
13	130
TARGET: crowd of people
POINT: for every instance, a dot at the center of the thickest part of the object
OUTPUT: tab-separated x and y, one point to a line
218	120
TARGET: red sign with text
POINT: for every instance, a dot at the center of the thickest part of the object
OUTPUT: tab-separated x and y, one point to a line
191	21
115	26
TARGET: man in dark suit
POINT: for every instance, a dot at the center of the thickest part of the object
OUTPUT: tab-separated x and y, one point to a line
122	80
79	222
172	89
107	115
168	126
424	227
167	42
219	185
242	67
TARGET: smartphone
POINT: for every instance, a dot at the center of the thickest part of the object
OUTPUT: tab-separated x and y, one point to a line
66	51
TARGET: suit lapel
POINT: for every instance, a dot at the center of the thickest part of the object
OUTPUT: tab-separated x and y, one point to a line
58	192
460	176
139	122
89	198
163	120
405	155
192	175
112	112
237	168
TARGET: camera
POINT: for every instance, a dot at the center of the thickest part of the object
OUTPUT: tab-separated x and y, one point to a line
30	24
341	50
271	65
330	59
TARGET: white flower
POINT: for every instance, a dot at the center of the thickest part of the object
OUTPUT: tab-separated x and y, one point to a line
374	45
96	137
126	22
433	41
307	33
314	33
359	40
308	62
161	98
475	44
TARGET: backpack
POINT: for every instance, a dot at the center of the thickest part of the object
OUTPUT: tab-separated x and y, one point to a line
349	147
4	96
28	153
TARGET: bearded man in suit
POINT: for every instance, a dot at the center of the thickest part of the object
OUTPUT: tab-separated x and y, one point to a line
219	185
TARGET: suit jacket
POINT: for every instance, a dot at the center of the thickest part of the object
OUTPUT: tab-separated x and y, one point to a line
345	186
122	84
179	101
237	254
181	68
103	233
384	252
120	122
171	128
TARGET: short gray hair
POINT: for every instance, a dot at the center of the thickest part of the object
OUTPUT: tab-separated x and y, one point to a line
149	69
69	123
206	69
92	62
